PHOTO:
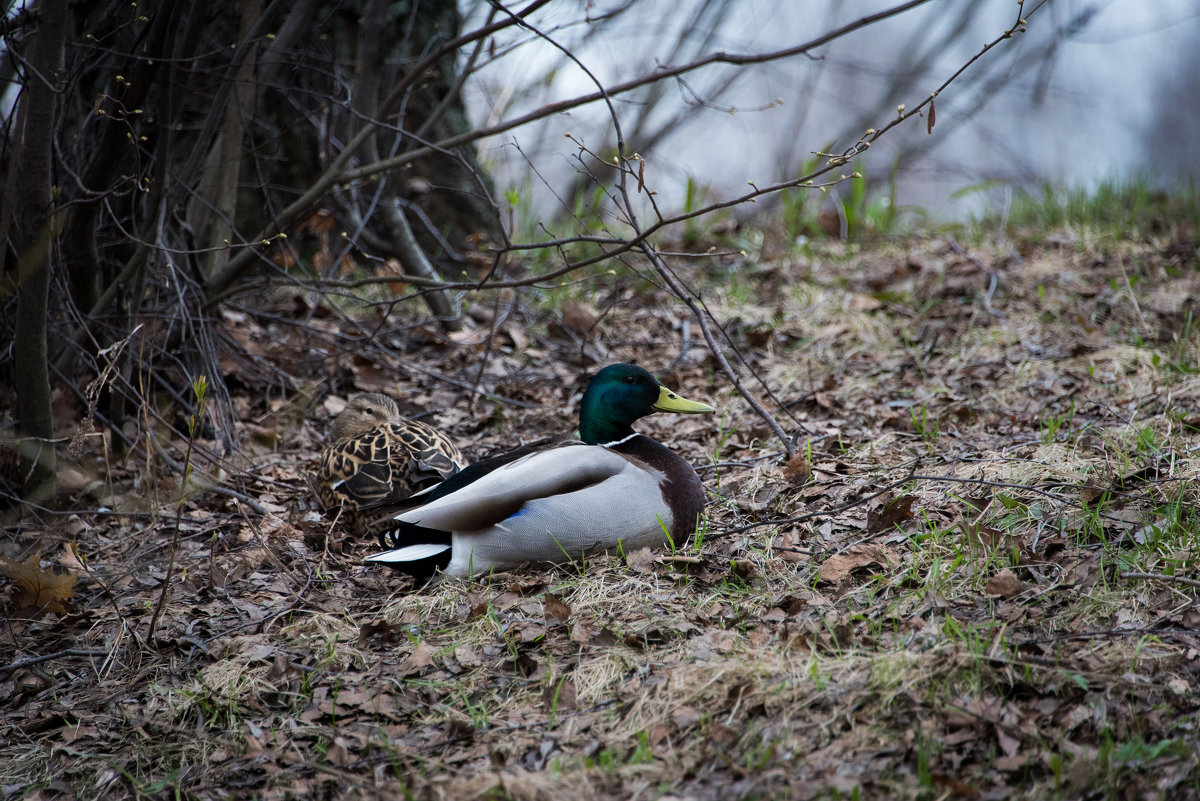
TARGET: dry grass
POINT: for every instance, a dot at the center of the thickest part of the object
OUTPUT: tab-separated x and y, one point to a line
984	632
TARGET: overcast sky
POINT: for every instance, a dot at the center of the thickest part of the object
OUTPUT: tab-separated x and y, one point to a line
1110	97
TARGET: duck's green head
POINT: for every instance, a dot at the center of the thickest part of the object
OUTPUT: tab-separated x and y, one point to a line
620	394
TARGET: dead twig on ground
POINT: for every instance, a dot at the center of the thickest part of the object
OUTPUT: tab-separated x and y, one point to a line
1162	577
85	653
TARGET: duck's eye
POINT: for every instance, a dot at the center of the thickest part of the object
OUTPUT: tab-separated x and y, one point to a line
368	411
629	379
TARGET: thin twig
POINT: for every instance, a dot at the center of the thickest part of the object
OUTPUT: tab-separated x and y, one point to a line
337	173
826	513
265	619
1162	577
208	484
983	482
678	289
679	559
494	326
673	282
37	660
641	242
658	74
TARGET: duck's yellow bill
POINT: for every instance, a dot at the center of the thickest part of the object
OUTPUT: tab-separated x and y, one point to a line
669	401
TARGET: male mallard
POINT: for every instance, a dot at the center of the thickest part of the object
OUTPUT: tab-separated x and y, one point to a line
554	502
376	456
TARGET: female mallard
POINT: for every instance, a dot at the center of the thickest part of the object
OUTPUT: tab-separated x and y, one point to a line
553	503
375	456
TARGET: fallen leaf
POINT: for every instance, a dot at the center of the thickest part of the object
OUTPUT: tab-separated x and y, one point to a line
559	695
1005	584
337	753
839	566
1010	764
69	559
684	717
479	604
418	660
892	513
378	628
467	656
988	537
38	589
954	785
603	638
797	469
251	650
640	561
1009	744
786	549
774	615
555	611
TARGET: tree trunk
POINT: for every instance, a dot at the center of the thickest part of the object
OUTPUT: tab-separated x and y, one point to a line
456	192
33	234
213	212
108	155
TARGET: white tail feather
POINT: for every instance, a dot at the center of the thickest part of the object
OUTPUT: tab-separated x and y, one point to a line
409	553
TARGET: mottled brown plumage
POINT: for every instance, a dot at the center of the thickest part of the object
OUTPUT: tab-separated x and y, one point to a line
375	456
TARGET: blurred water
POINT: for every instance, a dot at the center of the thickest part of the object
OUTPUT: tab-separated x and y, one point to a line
1094	90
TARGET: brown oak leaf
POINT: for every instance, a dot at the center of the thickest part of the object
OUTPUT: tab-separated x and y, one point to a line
36	588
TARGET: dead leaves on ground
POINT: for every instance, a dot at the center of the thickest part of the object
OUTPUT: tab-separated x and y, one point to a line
967	640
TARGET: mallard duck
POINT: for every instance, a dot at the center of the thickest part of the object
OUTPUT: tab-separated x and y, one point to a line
554	502
375	456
